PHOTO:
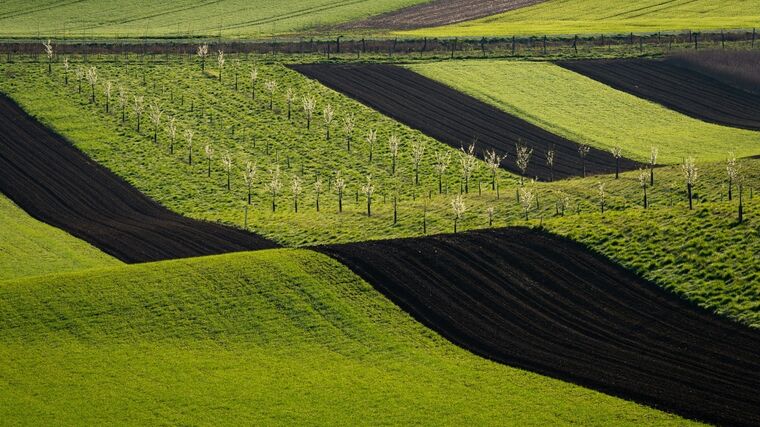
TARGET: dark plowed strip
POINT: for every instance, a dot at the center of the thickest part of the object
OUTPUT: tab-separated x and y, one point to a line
546	304
455	118
437	12
57	184
686	91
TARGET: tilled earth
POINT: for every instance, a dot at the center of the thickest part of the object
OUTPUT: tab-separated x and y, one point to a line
688	92
457	119
544	303
436	13
56	183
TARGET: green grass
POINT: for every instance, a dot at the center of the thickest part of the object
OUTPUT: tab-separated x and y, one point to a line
568	17
584	110
180	18
29	247
271	337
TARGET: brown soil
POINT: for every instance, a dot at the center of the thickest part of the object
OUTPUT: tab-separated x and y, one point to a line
544	303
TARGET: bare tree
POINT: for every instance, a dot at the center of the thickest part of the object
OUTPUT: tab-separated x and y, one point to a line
600	191
309	105
66	70
493	161
296	188
155	113
652	163
271	87
522	160
562	202
202	53
220	61
249	175
371	139
79	73
290	96
138	106
393	145
92	78
467	162
254	79
643	181
418	151
274	185
123	101
732	172
208	150
583	151
349	122
491	210
459	208
227	162
617	153
171	130
49	53
318	190
189	138
690	173
235	68
368	189
107	88
340	185
442	160
527	198
328	115
550	157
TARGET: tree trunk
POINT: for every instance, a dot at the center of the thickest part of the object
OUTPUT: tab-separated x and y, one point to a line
317	202
617	168
369	206
440	184
340	202
730	190
645	198
651	176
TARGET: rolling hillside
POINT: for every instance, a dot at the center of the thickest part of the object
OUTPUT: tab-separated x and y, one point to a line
273	337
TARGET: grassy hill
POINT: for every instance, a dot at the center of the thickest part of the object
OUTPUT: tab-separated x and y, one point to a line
568	17
587	111
179	18
29	247
273	337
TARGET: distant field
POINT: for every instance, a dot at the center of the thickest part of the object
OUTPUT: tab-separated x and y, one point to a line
29	247
273	337
180	18
598	16
584	110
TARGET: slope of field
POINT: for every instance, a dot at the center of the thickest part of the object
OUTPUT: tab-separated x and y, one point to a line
29	247
570	17
738	68
56	183
584	110
284	337
547	304
435	13
180	18
703	255
456	118
677	88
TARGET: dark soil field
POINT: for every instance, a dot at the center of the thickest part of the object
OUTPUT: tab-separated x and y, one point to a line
436	13
738	68
543	303
678	88
57	184
457	119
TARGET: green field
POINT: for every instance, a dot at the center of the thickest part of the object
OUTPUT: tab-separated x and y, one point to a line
179	18
569	17
186	189
29	247
271	337
584	110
